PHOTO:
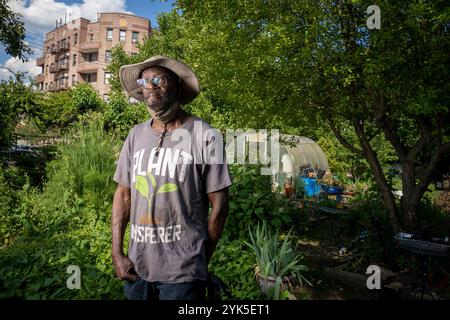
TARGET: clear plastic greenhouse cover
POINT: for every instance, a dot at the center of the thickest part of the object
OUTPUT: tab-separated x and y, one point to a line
296	152
301	152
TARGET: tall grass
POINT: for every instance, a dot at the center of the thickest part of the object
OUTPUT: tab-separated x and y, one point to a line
86	164
68	223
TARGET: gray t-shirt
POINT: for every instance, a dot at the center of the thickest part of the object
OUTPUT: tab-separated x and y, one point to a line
169	202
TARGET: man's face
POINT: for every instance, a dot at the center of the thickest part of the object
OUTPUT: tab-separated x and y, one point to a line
159	97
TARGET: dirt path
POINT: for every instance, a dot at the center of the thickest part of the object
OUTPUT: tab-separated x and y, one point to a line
320	245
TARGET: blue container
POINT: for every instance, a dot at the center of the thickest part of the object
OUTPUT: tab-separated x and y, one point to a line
311	187
331	189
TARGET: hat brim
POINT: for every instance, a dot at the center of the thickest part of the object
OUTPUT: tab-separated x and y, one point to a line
129	74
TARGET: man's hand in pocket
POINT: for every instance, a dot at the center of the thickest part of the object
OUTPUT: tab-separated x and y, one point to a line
124	268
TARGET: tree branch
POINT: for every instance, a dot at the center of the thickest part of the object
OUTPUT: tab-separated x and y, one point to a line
430	169
425	138
375	165
383	123
341	139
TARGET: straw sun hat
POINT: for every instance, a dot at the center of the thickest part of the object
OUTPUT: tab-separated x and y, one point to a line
129	74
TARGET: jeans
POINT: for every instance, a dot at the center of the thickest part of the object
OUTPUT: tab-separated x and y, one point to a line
154	291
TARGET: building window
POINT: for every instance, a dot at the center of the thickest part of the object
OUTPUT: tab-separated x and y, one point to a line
90	57
62	63
105	97
91	77
123	34
91	37
45	87
75	38
73	80
134	37
74	59
107	76
108	56
109	34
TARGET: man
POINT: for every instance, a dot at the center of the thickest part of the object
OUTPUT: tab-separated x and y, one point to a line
165	186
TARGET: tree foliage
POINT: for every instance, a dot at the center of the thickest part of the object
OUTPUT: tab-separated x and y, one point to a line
16	99
304	64
314	68
12	32
85	98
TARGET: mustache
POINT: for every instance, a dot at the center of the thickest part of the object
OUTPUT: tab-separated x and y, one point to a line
153	92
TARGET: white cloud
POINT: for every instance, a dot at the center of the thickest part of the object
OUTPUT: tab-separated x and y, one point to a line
89	8
16	65
40	15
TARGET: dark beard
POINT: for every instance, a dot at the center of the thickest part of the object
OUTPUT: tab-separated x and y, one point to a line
162	101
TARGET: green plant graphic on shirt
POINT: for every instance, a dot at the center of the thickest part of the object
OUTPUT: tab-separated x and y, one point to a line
143	188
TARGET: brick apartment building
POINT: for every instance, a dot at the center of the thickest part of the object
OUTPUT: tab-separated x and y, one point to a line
79	51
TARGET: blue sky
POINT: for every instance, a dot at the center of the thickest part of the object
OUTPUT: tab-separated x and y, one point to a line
40	15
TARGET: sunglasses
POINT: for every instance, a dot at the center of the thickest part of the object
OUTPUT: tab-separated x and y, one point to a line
160	81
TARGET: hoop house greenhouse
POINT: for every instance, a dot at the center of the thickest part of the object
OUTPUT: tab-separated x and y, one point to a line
298	156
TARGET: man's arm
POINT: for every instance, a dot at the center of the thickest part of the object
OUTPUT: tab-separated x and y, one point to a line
123	266
216	220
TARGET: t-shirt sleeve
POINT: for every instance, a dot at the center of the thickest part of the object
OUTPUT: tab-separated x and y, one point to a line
217	173
217	177
123	169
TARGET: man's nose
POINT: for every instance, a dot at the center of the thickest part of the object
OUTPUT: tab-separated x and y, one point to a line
152	85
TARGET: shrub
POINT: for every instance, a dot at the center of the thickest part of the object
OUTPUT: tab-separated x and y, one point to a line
120	115
67	224
85	98
234	265
8	199
252	201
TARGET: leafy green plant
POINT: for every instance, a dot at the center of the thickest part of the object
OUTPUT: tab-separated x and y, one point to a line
85	97
120	116
252	201
68	223
275	258
233	263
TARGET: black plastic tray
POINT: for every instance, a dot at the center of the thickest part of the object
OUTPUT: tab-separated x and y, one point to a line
422	247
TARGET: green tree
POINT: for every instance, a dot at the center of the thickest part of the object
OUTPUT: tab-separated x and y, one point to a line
12	33
16	100
308	66
389	83
85	98
308	63
120	116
